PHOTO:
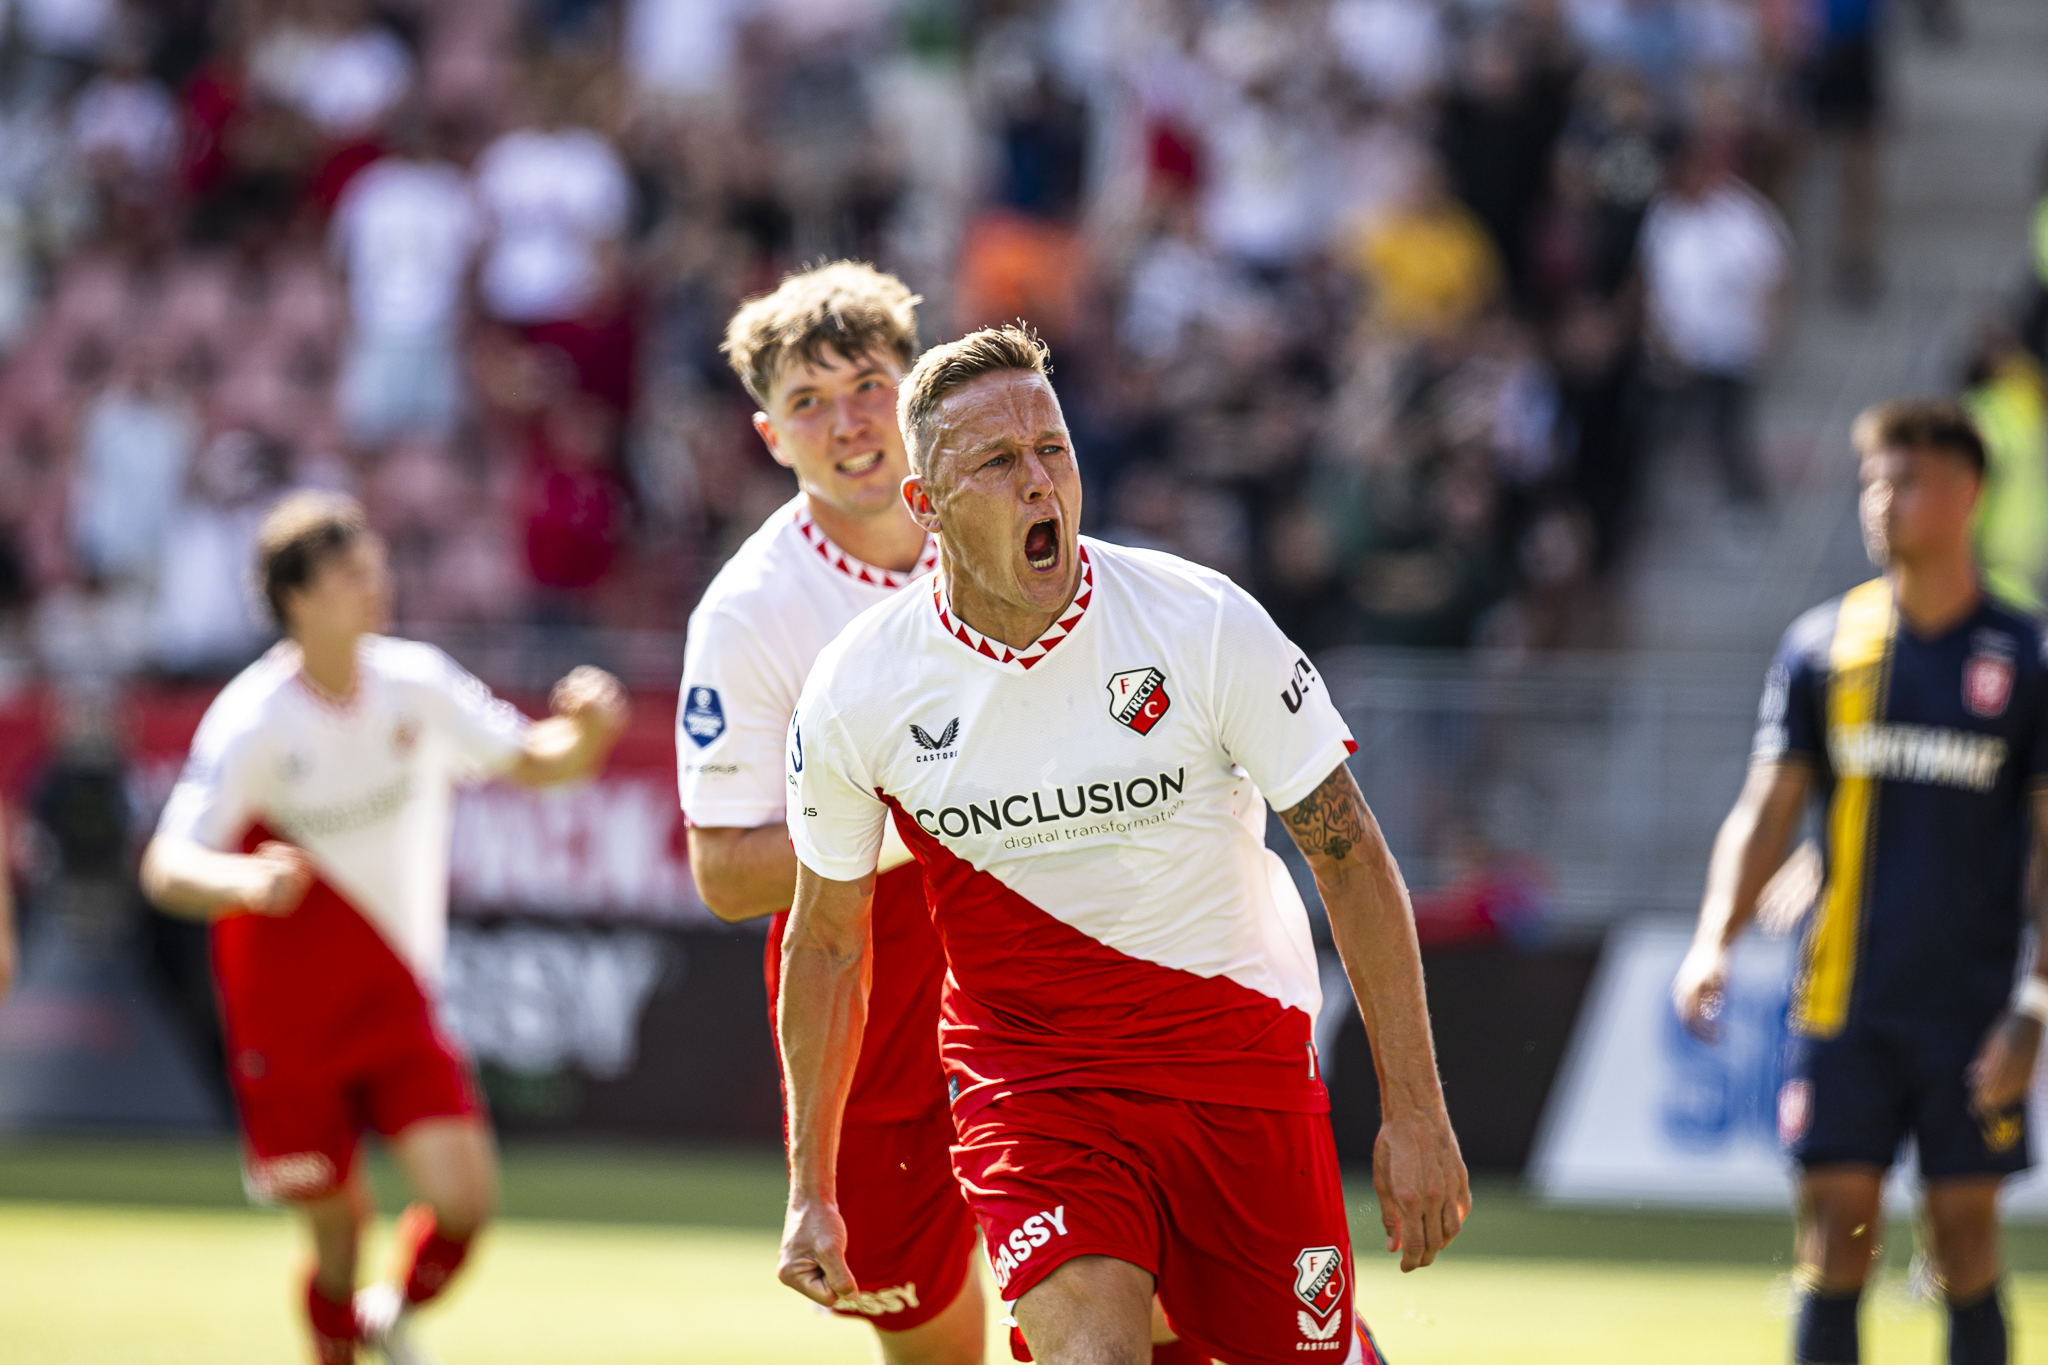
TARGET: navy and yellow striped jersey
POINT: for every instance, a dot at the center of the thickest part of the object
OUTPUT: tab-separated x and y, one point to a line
1927	753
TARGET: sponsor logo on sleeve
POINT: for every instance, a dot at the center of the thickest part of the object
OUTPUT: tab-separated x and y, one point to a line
1137	698
703	716
1298	683
796	743
939	746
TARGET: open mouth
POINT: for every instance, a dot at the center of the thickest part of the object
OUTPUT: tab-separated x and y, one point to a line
1042	545
856	465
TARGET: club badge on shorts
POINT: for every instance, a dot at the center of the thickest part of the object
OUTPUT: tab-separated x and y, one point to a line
1319	1279
1137	698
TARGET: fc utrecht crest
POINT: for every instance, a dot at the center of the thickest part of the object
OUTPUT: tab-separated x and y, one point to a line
1319	1279
1137	698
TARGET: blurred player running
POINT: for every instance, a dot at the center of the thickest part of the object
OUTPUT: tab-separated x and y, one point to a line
1073	739
1915	711
310	826
822	355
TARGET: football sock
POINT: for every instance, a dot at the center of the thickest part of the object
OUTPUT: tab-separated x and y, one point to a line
334	1326
1976	1331
430	1260
1176	1353
1827	1329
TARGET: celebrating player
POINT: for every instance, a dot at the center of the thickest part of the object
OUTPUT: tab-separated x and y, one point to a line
1074	739
1916	711
310	827
822	355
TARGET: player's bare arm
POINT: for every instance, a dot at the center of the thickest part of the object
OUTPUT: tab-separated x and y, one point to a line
1753	842
1425	1195
823	1014
590	710
743	874
187	879
2004	1067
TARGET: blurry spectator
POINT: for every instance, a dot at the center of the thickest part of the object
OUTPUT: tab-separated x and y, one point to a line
404	232
681	49
135	446
75	31
1715	261
125	125
1846	84
575	507
205	621
1397	49
556	199
1499	124
335	66
2034	327
1260	204
2005	397
1429	265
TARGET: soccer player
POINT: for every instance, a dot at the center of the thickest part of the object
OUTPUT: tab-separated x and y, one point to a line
1913	711
1077	743
823	355
310	827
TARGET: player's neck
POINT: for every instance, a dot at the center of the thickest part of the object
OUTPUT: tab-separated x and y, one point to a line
888	540
1015	624
1937	594
329	664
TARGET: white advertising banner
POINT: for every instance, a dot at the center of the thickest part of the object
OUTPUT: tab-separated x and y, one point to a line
1642	1112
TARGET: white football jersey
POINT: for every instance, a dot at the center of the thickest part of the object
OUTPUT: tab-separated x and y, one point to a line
1090	814
778	601
365	786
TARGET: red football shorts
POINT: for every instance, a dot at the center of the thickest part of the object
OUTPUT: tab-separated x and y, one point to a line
910	1237
1238	1213
328	1033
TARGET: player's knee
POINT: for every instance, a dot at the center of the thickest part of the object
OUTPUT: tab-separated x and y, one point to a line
461	1214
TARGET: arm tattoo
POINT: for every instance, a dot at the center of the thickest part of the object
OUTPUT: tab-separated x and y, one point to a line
1331	820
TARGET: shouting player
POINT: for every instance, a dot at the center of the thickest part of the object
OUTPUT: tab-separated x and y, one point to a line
311	827
1077	743
1914	711
823	355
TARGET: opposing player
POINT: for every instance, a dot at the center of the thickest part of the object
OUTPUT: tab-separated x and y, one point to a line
823	355
1077	743
1914	711
311	826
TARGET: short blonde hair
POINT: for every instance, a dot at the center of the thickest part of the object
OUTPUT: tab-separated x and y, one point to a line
945	368
302	532
850	306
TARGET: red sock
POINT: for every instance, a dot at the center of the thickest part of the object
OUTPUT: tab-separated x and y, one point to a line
1177	1353
430	1259
334	1326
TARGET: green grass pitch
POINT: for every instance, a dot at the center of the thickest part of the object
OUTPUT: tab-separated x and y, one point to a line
112	1253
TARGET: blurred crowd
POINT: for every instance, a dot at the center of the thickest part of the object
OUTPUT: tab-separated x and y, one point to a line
1377	305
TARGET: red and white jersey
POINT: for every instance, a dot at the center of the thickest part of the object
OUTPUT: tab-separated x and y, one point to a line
782	597
778	601
1090	815
364	786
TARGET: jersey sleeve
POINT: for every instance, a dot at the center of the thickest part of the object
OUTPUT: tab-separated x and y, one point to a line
1273	714
1789	723
731	720
485	731
836	817
216	796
